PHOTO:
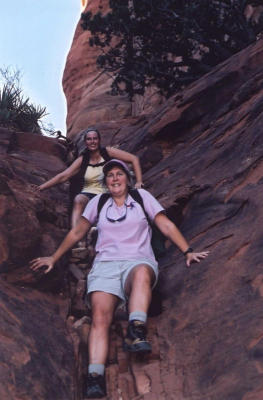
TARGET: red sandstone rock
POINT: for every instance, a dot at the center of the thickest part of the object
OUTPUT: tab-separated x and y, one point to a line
36	358
32	224
202	153
86	86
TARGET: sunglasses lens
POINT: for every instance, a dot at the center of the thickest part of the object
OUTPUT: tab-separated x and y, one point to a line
118	219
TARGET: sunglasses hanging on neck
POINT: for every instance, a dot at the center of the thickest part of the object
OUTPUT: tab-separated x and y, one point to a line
122	218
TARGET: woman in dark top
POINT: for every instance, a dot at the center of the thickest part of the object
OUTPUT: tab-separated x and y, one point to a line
87	174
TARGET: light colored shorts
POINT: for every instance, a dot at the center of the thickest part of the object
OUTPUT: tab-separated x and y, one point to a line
110	276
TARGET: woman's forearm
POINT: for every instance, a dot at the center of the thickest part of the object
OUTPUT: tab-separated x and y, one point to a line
52	182
137	169
72	237
69	241
169	229
177	238
64	175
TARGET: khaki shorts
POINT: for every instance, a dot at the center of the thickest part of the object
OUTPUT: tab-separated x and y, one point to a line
110	276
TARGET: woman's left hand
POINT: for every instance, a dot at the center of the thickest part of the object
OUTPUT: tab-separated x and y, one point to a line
39	262
195	257
138	185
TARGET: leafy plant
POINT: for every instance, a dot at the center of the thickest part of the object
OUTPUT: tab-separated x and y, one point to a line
16	110
166	43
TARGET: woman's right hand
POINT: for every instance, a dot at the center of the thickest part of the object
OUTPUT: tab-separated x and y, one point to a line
35	188
41	262
138	185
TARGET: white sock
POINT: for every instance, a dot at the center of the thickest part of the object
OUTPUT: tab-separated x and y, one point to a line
96	368
138	315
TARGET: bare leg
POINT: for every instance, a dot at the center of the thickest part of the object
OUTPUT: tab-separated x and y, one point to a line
80	203
103	306
138	288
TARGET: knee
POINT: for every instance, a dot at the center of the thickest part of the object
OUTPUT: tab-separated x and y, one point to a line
143	275
101	320
79	201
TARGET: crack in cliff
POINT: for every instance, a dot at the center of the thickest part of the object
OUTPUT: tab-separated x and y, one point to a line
239	252
213	244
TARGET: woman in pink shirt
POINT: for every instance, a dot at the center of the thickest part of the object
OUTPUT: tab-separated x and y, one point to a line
124	268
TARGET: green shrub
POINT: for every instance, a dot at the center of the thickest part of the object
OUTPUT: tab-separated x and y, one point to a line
17	112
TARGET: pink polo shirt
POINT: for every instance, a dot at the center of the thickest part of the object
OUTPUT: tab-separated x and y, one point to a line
129	239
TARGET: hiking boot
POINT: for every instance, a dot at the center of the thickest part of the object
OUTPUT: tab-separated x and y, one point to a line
135	340
96	386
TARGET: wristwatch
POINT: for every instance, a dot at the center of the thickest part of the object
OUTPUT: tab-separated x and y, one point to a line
189	250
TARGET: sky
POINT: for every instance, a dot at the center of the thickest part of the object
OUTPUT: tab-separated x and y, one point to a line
36	36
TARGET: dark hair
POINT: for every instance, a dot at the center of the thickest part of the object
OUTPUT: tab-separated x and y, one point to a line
112	164
91	129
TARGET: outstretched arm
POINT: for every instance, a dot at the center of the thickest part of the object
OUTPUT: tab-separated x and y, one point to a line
131	158
169	229
74	235
63	176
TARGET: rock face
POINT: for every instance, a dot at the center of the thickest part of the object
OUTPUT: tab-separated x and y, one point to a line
202	157
202	153
86	86
36	356
31	224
